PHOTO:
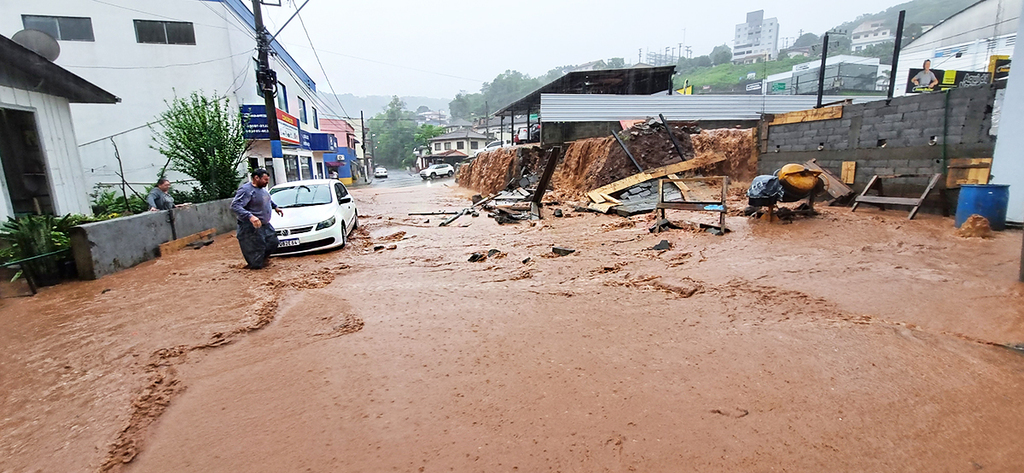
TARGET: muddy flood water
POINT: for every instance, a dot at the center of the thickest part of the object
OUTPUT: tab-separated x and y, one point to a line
847	342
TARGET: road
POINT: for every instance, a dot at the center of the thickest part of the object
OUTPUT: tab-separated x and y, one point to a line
851	342
401	178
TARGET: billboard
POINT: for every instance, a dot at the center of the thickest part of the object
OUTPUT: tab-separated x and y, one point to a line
944	80
999	67
255	118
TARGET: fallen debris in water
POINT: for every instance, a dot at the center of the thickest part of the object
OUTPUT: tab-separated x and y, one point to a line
477	257
662	245
560	251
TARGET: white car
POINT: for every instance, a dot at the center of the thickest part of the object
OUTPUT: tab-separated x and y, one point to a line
380	172
493	145
437	170
318	214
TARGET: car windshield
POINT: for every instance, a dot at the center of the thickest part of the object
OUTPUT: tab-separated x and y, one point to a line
301	196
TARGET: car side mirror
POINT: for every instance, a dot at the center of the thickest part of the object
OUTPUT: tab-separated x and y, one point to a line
345	200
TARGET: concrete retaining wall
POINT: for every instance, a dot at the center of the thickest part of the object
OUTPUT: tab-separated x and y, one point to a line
103	248
906	124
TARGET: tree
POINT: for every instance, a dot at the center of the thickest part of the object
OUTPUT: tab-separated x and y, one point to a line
703	61
395	134
203	138
721	55
503	90
426	132
805	40
422	108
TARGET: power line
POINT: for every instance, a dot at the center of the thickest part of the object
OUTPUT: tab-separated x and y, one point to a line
317	56
162	66
392	65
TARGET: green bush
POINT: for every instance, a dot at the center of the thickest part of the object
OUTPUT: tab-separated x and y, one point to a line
109	204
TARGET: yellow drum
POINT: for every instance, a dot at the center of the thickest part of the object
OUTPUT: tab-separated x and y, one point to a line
797	179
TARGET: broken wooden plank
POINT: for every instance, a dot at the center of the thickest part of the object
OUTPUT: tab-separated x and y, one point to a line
454	217
836	188
595	195
549	170
601	208
180	243
968	171
813	115
608	198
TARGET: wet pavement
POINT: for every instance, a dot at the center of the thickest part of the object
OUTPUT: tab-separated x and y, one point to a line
401	178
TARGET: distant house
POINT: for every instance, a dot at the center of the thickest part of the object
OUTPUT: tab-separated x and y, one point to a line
464	141
457	124
452	157
40	168
870	33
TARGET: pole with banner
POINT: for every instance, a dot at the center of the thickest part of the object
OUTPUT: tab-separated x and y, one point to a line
267	80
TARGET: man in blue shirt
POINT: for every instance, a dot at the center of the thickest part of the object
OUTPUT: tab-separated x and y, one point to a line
252	207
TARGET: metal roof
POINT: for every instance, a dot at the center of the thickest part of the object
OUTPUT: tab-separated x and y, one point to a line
607	108
631	81
23	69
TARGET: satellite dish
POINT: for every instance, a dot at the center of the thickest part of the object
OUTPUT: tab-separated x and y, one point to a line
38	42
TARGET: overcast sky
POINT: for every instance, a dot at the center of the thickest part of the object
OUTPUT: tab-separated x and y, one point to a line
440	47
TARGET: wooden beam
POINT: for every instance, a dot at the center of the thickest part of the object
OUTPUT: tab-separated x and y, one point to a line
849	171
836	188
813	115
177	245
595	195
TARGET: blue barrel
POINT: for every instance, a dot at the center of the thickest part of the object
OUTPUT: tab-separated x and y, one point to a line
987	200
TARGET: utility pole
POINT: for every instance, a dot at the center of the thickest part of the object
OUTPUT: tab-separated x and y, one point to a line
896	54
266	78
821	69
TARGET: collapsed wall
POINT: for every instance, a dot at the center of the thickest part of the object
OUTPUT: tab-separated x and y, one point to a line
594	162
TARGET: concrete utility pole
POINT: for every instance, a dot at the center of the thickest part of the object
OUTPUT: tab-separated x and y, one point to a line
821	69
266	78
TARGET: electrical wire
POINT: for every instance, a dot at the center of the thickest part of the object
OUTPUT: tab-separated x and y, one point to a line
389	64
162	66
317	56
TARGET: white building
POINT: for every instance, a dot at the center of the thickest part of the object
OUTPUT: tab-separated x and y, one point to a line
151	51
40	169
965	41
756	40
870	33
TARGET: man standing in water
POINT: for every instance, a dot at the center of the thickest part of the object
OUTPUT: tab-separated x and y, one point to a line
252	206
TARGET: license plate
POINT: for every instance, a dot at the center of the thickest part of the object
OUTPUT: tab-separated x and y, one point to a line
289	242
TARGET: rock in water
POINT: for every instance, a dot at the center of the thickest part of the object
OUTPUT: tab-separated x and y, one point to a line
975	226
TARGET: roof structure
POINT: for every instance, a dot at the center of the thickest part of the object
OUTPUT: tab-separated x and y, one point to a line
631	81
449	154
460	134
23	69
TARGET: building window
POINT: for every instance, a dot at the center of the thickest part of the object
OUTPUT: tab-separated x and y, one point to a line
460	145
65	28
474	145
164	32
437	146
302	110
448	146
282	97
316	119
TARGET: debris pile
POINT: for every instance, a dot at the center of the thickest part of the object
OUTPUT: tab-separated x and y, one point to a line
493	171
737	146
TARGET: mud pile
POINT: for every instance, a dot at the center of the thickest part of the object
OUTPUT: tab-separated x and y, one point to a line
491	171
594	162
738	146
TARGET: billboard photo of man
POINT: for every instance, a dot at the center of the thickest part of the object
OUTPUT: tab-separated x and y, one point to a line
925	79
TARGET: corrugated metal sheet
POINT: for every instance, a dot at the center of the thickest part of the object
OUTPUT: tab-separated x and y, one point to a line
608	108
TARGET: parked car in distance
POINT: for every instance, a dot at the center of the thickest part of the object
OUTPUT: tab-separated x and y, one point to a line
380	171
318	214
492	145
437	170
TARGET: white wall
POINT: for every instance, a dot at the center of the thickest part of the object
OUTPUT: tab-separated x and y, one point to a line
146	76
57	140
1008	163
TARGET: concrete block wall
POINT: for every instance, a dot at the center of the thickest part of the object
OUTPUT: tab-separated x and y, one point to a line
106	247
907	124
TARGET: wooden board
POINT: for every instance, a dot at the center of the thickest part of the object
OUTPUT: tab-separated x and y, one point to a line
812	115
176	245
836	188
602	207
849	171
595	195
968	171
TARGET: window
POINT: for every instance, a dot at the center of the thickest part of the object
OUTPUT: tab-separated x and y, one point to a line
315	119
448	146
164	32
340	191
65	28
437	146
460	145
282	97
302	110
474	145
